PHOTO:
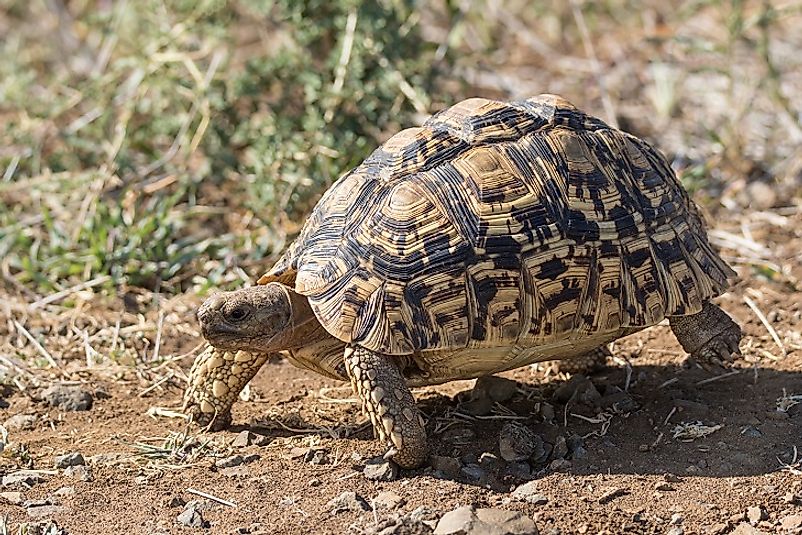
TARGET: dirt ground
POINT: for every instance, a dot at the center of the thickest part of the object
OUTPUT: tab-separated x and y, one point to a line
631	472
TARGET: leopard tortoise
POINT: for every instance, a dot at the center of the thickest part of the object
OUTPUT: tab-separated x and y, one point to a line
493	236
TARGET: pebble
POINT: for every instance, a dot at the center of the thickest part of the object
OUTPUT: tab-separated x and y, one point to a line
791	498
388	500
12	497
528	492
228	462
448	466
558	465
45	511
317	456
68	398
676	519
469	521
755	515
473	472
191	517
478	407
519	470
743	529
547	412
612	493
80	472
22	478
751	431
518	443
21	422
495	388
791	522
675	530
560	448
663	486
70	459
403	525
380	469
347	501
243	439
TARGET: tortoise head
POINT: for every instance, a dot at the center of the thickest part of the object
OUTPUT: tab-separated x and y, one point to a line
258	318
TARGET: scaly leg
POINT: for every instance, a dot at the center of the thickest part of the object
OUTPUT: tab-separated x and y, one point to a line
215	381
711	335
387	400
586	363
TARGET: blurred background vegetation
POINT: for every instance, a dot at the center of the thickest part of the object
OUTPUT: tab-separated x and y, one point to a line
177	145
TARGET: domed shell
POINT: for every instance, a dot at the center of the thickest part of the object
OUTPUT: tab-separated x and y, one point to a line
502	224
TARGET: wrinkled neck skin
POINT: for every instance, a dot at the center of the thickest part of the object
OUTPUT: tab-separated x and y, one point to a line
303	328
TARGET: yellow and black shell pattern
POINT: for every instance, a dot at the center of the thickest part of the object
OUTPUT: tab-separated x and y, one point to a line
502	224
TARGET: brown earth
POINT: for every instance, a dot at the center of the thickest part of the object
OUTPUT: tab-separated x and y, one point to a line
634	476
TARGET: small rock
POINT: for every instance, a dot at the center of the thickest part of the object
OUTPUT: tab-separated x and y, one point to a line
744	529
317	456
620	402
470	521
21	478
192	518
347	501
495	388
80	472
243	439
612	493
228	462
717	529
314	482
576	447
235	471
676	519
791	522
528	492
751	431
388	500
380	469
70	459
519	470
21	422
68	398
519	443
12	497
558	465
663	486
473	472
547	412
449	466
755	514
560	448
403	525
675	530
176	501
671	478
45	511
791	498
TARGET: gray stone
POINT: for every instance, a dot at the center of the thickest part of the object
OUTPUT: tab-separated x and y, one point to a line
191	518
80	472
317	456
473	472
45	511
21	422
519	470
388	500
744	529
519	443
403	525
478	407
560	448
68	398
243	439
21	478
380	469
494	388
675	530
228	462
348	501
64	491
70	459
470	521
528	492
449	466
751	431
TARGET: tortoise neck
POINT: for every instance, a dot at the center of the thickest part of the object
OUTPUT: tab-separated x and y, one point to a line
304	325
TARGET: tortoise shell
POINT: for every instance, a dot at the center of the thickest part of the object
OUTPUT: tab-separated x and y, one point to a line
499	224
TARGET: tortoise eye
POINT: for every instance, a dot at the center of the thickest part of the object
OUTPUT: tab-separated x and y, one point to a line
238	314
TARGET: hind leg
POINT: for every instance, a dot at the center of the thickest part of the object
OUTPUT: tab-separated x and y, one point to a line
710	335
586	363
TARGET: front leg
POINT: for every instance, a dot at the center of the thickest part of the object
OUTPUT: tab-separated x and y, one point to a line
387	400
215	381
